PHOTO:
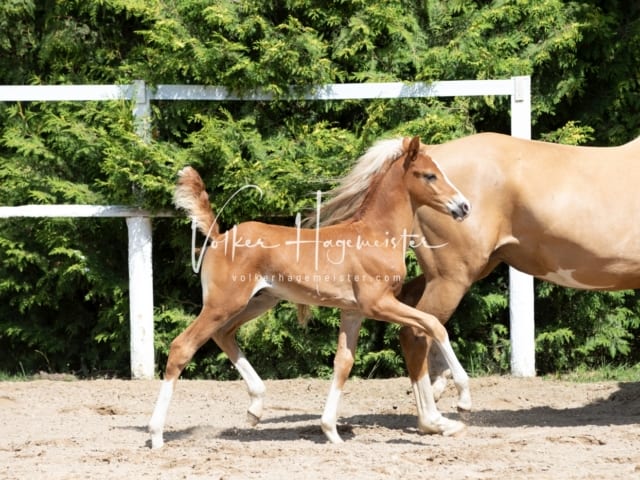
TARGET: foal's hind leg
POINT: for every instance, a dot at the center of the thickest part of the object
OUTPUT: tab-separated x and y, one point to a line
350	322
183	347
225	338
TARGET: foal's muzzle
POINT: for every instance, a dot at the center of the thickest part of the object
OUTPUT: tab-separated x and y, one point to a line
459	207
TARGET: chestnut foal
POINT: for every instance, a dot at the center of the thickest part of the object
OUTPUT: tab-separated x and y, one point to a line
357	265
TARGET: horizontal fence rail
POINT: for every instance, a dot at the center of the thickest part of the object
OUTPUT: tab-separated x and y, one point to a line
139	221
333	91
78	211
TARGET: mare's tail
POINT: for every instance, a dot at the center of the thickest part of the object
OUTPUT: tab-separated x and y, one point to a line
191	196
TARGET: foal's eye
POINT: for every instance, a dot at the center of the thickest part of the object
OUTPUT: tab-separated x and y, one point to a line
430	177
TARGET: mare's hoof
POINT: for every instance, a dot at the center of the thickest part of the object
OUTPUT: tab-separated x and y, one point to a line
442	426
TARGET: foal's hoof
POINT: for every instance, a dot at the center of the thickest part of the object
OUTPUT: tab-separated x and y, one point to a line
454	429
156	441
252	418
331	432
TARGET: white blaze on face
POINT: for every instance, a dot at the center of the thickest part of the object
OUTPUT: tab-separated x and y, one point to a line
565	278
458	198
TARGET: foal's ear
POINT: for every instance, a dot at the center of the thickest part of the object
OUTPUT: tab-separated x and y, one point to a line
411	148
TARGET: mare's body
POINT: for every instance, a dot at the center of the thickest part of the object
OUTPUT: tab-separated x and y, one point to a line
561	213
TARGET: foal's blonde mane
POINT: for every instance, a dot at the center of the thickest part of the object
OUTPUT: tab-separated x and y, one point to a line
348	197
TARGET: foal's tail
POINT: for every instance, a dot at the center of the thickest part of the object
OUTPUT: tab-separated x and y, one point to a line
191	196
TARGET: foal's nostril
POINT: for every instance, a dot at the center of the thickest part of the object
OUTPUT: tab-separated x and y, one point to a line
459	208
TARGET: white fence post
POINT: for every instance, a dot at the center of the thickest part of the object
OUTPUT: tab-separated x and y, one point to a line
521	291
140	263
141	297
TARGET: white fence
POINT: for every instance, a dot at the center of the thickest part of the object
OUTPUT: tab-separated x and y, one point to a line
139	223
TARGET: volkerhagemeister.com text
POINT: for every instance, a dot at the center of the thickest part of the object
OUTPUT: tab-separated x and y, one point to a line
313	277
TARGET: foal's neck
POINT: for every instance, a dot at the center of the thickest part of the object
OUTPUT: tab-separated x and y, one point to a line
388	204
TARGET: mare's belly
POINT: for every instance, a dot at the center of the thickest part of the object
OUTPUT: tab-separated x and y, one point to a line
616	276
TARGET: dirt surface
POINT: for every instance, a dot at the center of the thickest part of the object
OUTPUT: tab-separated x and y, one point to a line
519	428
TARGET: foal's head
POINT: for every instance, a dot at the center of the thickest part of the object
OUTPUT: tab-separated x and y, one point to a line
428	185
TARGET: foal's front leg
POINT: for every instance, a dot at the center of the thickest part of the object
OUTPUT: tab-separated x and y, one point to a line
389	308
350	323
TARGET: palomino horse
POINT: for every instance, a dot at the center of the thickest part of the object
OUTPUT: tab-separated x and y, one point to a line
561	213
357	265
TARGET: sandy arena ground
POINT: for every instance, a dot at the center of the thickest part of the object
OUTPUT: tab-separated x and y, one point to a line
519	428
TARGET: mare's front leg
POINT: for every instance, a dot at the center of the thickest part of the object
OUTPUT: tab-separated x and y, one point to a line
350	322
438	297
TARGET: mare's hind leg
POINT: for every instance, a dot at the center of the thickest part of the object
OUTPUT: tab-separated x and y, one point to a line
225	338
350	322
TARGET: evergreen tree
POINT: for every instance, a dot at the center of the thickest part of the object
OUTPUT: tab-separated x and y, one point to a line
63	282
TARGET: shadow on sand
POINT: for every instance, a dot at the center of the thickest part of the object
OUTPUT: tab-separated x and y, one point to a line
622	407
